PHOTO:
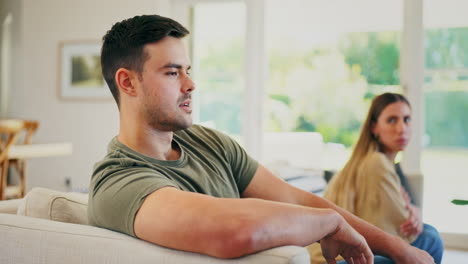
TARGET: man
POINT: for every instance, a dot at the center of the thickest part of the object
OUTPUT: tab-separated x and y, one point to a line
177	185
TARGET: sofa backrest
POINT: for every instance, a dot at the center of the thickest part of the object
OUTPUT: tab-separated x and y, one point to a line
69	207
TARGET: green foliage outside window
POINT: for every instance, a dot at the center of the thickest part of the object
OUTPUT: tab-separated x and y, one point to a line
376	53
447	48
446	96
328	89
222	83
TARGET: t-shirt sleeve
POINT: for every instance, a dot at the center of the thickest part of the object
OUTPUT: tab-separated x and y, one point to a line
242	164
116	194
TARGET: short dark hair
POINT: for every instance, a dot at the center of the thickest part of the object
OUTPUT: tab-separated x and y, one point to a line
123	44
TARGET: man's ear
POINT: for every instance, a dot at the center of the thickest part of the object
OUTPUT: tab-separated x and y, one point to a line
125	81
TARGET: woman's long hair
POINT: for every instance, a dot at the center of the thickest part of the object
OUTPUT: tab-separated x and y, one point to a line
344	184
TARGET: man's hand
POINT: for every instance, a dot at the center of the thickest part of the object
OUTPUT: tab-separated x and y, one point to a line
348	243
413	255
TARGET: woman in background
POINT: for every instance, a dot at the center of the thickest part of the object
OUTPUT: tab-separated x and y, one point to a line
372	187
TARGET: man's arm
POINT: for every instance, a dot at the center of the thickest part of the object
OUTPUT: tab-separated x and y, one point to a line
265	185
229	228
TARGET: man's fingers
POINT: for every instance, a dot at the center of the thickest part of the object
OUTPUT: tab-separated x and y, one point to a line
365	257
349	260
359	259
369	256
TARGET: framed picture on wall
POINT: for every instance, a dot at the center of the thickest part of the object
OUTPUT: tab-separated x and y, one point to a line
80	71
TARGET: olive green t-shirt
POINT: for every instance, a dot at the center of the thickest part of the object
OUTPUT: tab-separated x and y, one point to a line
210	163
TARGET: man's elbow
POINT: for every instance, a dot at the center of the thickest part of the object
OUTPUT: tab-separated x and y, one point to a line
236	242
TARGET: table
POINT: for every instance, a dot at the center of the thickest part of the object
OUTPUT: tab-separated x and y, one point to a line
28	151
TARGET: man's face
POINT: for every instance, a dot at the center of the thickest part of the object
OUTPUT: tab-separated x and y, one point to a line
166	86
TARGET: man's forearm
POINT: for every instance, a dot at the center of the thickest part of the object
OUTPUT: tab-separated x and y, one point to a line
281	224
229	228
266	186
379	241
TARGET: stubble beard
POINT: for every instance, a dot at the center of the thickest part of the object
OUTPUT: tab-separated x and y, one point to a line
163	121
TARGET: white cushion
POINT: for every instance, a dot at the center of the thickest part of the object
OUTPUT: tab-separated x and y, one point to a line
10	206
27	240
69	207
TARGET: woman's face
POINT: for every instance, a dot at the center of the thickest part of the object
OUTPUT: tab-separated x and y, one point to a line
393	127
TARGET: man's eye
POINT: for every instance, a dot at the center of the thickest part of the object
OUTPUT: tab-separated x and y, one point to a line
407	119
391	120
173	73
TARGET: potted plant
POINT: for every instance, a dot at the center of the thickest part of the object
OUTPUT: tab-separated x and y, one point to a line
460	202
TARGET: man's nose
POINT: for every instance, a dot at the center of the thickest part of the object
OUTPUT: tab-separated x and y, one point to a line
188	84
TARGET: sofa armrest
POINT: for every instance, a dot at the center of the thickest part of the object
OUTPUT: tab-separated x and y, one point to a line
10	206
31	240
416	183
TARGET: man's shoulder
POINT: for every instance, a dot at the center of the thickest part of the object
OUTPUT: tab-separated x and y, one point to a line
196	129
203	133
118	157
115	150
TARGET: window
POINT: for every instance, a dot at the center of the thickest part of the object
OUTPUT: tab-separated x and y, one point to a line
326	60
5	64
445	155
218	62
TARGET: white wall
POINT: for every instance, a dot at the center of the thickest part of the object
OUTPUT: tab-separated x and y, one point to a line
89	125
13	8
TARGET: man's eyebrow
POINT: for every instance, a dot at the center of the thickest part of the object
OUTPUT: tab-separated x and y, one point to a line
175	65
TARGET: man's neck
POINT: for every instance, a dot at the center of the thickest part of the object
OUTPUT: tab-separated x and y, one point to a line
149	142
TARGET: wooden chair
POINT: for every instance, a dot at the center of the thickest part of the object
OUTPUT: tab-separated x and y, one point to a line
11	131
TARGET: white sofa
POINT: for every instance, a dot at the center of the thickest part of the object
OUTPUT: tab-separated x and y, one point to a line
50	227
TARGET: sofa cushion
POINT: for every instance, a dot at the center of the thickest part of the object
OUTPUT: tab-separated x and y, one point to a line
27	240
10	206
69	207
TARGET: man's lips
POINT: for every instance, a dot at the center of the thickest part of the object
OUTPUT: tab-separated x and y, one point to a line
186	105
